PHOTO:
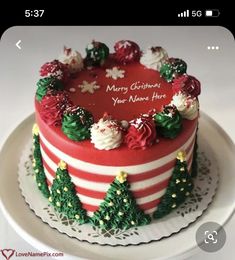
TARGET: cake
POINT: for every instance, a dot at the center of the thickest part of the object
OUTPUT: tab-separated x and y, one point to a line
115	134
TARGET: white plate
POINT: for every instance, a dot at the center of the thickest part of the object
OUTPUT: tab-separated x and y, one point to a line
44	238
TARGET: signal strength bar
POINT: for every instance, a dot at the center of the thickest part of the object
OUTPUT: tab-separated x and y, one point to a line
184	14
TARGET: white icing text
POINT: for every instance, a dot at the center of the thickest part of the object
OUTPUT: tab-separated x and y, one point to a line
133	98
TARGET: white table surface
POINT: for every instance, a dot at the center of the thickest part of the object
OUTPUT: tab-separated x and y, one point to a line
19	74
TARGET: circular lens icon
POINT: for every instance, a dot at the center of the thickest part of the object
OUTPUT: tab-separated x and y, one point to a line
210	237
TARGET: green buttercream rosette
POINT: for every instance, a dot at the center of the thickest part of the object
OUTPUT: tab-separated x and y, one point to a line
76	123
168	122
97	53
45	84
172	69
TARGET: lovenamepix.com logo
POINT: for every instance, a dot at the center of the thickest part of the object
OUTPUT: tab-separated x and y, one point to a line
11	253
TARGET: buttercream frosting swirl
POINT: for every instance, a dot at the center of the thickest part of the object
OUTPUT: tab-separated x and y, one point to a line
76	123
169	121
172	69
97	53
73	59
154	57
55	69
46	84
141	133
127	51
187	106
52	107
106	134
188	85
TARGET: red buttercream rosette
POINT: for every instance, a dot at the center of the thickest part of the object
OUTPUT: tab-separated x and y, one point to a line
126	51
53	105
55	69
188	85
141	133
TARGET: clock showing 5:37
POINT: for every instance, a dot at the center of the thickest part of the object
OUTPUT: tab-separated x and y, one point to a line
34	13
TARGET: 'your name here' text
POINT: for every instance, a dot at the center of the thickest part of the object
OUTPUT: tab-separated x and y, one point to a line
135	98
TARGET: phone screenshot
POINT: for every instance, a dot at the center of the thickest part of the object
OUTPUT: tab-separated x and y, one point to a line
117	141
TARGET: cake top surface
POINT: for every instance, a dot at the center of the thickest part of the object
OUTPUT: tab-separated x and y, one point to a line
123	91
129	97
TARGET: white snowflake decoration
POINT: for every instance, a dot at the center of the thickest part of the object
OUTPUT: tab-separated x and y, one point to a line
88	87
115	73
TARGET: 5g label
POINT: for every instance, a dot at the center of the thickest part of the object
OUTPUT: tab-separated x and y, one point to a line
196	13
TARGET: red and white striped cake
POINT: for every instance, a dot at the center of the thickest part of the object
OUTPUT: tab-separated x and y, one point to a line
137	90
92	170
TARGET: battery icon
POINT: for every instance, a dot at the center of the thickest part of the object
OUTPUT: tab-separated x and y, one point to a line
212	13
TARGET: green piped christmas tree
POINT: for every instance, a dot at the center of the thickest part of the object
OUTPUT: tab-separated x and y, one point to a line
38	165
63	195
179	187
119	209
